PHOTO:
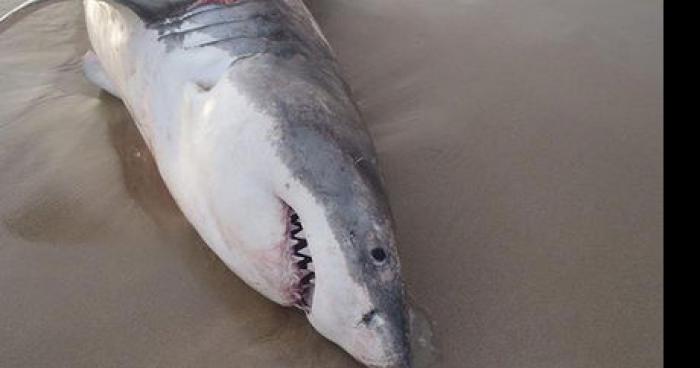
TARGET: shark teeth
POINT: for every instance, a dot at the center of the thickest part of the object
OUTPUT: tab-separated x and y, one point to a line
303	263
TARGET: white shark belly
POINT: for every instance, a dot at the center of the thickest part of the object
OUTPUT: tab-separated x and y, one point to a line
170	94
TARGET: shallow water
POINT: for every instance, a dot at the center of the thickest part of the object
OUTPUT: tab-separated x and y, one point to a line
521	143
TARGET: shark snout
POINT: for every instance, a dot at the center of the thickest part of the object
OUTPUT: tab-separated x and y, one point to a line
401	364
396	338
401	359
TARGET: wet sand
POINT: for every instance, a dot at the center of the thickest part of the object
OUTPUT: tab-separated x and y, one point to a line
522	146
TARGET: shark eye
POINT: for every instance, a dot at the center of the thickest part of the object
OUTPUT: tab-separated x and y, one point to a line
378	254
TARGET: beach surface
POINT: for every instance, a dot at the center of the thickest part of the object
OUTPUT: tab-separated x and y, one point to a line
521	142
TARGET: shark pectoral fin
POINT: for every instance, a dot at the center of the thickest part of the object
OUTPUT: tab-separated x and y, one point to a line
95	73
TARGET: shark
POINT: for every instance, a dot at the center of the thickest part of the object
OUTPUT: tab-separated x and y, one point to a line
258	139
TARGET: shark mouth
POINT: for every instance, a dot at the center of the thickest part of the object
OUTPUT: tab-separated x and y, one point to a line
303	266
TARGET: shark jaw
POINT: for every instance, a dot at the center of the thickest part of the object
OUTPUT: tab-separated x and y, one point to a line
302	263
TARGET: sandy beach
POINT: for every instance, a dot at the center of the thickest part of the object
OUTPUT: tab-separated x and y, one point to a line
521	142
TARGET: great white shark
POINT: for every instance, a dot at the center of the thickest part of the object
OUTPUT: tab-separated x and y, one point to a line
257	137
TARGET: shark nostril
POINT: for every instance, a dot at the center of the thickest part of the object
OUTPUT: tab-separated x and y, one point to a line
369	316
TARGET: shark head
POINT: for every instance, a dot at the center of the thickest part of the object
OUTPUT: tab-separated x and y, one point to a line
344	243
339	212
